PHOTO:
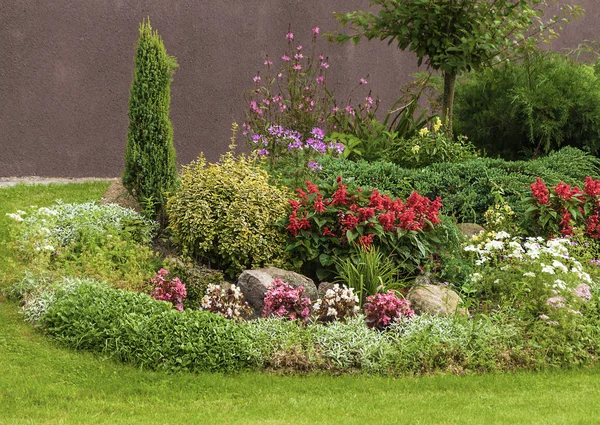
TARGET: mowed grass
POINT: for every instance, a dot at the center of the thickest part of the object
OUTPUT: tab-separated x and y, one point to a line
44	383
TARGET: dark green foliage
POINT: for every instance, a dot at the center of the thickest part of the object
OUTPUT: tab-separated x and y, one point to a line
150	168
528	108
134	328
195	278
467	189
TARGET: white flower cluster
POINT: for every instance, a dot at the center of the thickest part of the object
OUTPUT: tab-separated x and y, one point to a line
338	303
229	303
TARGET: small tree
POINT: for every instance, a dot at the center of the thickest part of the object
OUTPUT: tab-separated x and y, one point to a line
455	36
150	168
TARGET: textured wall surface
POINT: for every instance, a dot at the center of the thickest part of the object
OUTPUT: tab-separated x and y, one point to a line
66	67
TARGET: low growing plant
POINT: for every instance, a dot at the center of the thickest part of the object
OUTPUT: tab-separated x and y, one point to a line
339	303
229	302
170	290
384	309
282	300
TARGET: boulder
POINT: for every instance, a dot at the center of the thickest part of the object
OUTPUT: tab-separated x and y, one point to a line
254	284
435	300
470	229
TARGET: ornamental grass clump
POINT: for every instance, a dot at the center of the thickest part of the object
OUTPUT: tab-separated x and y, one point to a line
282	300
338	303
171	290
382	310
229	302
224	215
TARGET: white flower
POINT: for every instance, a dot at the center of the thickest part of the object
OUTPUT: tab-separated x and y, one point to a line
529	274
15	217
557	264
547	269
332	312
560	284
476	277
502	235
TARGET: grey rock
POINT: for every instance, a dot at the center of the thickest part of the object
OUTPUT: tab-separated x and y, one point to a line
254	284
435	300
470	229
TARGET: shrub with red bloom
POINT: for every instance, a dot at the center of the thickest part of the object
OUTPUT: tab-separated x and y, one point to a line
171	290
327	222
282	300
384	309
565	207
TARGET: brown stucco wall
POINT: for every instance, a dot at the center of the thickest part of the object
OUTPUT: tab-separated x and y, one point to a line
66	67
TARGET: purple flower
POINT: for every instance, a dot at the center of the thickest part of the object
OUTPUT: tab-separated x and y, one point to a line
584	292
263	152
314	166
337	146
318	133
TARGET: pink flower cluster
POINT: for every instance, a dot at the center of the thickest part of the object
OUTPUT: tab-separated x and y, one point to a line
284	301
171	290
583	291
384	309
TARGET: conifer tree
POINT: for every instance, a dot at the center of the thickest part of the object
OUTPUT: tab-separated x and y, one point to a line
150	168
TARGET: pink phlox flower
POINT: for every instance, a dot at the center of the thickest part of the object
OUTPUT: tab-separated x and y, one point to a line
363	81
297	67
315	31
285	58
289	36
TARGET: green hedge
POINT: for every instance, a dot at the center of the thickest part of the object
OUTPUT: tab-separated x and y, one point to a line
467	188
134	328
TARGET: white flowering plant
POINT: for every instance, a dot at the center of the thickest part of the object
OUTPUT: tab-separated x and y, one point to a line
538	278
229	302
338	303
106	242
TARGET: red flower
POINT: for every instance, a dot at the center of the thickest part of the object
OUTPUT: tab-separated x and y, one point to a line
387	220
540	191
366	213
592	187
565	192
565	224
319	206
365	241
350	222
327	232
340	197
312	188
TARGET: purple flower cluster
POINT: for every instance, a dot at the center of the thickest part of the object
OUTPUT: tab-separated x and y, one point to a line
583	291
171	290
284	301
384	309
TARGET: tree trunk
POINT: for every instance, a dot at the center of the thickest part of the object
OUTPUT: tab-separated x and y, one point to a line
448	101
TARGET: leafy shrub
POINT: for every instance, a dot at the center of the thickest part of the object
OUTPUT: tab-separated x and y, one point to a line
338	303
531	107
429	147
469	188
150	168
325	222
225	214
134	328
282	300
384	309
229	302
170	290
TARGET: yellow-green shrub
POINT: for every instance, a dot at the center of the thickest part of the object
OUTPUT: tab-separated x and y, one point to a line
225	214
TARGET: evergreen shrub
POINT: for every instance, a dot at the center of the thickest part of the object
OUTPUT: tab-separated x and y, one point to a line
150	168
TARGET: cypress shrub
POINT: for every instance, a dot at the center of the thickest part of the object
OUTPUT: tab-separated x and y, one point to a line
150	168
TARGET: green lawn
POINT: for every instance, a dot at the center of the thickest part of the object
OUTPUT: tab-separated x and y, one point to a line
44	383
